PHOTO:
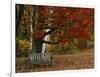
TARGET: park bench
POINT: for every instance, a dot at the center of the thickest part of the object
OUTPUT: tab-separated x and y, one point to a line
40	59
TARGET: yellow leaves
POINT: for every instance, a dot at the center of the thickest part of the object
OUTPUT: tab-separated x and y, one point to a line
23	45
50	47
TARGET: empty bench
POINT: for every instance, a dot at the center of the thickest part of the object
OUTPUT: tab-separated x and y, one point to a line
40	59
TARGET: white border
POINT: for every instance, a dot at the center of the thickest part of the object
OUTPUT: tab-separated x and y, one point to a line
13	39
69	3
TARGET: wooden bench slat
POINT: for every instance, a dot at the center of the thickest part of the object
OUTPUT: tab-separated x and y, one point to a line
40	58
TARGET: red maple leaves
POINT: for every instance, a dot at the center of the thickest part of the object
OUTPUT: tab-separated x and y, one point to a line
63	41
38	35
78	33
78	22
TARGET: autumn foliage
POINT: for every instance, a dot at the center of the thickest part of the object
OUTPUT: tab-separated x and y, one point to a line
70	22
77	23
37	35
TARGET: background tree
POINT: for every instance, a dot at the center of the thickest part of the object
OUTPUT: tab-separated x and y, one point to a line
61	25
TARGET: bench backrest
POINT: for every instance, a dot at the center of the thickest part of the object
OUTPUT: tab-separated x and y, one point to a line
40	58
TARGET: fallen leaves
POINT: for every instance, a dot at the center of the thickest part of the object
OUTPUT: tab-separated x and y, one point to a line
80	60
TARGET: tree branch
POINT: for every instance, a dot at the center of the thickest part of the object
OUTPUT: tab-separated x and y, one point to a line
46	28
48	42
50	31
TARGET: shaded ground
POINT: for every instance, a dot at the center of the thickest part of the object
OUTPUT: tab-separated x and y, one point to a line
79	60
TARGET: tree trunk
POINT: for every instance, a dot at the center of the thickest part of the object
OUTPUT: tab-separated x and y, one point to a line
44	44
18	18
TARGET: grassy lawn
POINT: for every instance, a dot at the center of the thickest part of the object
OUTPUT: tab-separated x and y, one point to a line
83	59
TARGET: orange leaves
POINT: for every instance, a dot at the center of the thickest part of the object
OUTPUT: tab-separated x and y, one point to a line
74	32
89	21
44	11
84	35
77	20
37	35
78	33
63	41
86	11
58	33
82	14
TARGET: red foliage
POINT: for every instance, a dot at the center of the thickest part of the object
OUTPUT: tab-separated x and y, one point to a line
63	41
37	35
84	17
58	33
78	33
44	11
74	32
84	35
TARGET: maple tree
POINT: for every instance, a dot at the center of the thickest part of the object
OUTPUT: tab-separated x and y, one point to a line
66	23
70	22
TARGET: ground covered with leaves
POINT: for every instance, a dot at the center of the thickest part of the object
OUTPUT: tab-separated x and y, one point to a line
80	59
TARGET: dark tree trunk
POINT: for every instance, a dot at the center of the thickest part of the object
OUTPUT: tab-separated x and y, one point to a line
38	44
18	17
48	42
